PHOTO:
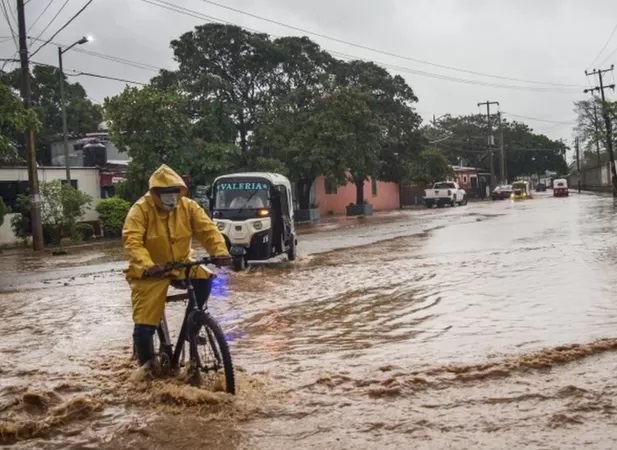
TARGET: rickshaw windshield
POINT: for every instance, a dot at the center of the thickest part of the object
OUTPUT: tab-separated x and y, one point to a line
519	186
241	193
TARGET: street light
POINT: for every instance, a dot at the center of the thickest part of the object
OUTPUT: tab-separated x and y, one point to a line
67	164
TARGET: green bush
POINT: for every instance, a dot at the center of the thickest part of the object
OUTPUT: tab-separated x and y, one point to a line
20	223
51	234
61	207
84	231
130	191
112	212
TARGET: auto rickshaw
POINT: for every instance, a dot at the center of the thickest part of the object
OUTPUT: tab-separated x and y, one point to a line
254	213
520	190
560	187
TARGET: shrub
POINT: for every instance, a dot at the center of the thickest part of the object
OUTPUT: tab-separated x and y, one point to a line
112	212
130	191
20	223
61	206
84	231
51	234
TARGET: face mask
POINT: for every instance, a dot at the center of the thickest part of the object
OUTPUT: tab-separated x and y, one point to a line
169	201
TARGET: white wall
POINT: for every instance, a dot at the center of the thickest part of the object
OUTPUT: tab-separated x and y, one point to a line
6	234
88	181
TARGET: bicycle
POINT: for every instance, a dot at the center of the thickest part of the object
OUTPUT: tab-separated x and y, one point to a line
170	359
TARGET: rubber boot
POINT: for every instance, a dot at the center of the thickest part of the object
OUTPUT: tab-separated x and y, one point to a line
144	347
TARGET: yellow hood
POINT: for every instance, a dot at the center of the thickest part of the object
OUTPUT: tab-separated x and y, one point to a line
164	177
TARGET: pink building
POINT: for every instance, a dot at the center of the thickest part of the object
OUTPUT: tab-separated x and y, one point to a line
333	199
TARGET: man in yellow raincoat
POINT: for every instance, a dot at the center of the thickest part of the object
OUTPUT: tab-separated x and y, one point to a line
158	230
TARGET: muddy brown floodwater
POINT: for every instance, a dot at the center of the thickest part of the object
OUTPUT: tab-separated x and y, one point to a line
486	326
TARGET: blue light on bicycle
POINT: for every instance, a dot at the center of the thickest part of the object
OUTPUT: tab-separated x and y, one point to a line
235	335
219	286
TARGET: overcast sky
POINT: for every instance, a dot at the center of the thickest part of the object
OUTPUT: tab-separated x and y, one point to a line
545	41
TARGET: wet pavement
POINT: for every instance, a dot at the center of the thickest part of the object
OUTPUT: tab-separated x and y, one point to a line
485	326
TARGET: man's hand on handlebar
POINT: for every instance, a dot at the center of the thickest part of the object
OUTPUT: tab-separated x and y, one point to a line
222	260
154	271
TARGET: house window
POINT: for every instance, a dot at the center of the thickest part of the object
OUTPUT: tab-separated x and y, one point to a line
331	186
374	187
74	183
465	179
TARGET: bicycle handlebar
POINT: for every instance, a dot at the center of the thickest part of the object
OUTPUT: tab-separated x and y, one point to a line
184	265
188	264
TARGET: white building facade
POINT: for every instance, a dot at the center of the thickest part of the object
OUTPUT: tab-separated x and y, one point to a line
14	181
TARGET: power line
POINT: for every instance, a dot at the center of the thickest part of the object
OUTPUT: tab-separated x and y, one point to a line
40	15
63	26
605	45
539	119
458	80
608	57
112	58
384	52
5	13
77	73
10	10
52	19
198	15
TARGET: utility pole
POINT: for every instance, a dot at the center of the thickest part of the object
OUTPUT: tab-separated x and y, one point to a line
578	163
489	140
502	171
33	178
607	122
67	162
595	123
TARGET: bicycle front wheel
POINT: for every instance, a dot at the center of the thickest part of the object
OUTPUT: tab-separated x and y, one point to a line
213	358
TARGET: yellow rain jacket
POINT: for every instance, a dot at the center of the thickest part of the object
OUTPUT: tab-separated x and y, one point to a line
153	236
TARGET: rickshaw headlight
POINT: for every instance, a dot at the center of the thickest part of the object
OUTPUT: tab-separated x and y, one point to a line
258	225
220	226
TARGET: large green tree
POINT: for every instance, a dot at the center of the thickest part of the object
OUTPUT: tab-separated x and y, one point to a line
83	116
463	139
356	132
14	120
227	73
289	137
301	141
153	126
591	129
392	100
430	166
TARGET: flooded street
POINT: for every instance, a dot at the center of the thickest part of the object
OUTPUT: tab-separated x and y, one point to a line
486	326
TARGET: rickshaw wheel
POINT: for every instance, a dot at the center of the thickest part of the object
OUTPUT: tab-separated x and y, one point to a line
291	253
239	264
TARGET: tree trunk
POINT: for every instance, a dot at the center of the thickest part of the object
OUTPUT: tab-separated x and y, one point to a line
304	192
244	145
359	192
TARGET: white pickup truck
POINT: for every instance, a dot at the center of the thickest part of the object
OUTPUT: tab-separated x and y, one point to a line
445	193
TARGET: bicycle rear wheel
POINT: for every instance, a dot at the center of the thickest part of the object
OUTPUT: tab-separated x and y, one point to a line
214	364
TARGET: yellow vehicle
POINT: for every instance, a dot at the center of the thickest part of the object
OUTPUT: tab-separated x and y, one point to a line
520	190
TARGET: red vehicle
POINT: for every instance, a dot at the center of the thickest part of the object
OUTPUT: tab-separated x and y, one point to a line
502	192
560	188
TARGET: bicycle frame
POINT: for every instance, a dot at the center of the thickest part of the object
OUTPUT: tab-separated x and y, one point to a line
163	329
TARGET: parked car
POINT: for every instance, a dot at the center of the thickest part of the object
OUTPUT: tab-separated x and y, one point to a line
541	187
560	187
502	192
445	193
